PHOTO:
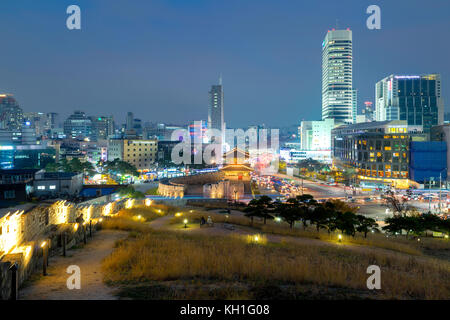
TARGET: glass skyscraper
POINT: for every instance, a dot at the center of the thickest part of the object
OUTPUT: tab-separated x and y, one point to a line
416	99
337	86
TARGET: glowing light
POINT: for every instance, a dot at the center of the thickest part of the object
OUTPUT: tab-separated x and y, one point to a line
446	236
11	230
185	221
43	244
107	209
148	202
75	227
129	203
256	238
277	219
101	219
178	214
340	237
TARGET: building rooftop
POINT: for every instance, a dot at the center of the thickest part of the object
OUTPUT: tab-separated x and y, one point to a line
17	171
57	175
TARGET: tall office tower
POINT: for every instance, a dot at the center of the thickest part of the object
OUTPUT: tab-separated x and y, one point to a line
354	104
11	115
215	111
337	85
53	119
78	125
416	99
130	121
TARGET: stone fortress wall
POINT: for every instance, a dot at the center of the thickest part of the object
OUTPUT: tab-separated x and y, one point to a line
24	230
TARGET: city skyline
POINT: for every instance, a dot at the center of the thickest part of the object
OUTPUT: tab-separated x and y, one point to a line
264	82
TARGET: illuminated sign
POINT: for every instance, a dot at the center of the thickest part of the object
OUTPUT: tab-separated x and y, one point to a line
407	77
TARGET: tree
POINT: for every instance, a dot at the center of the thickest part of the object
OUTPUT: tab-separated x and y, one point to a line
306	206
323	215
130	192
288	213
365	225
397	223
261	207
118	167
342	206
74	165
398	206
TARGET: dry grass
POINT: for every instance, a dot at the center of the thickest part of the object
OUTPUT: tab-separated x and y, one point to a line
133	219
279	228
165	257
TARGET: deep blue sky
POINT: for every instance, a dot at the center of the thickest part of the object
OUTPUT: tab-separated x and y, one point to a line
159	58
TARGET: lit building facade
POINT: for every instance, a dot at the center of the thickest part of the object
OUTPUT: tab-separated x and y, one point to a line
11	115
78	125
379	151
415	99
102	127
337	82
140	153
316	135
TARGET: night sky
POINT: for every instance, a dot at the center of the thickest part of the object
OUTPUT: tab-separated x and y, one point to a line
159	58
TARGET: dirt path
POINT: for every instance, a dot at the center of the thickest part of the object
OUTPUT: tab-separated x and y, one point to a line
89	258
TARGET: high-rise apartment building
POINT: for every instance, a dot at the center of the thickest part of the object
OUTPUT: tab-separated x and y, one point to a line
414	98
338	96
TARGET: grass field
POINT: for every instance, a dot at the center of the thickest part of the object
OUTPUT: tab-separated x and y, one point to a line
169	259
400	244
154	264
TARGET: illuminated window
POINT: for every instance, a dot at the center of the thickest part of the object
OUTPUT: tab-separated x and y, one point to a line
52	187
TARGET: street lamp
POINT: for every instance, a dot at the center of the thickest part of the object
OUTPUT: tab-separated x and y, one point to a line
44	257
340	238
185	221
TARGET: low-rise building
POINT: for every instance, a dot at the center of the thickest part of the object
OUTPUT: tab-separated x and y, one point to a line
378	151
138	152
16	186
57	183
